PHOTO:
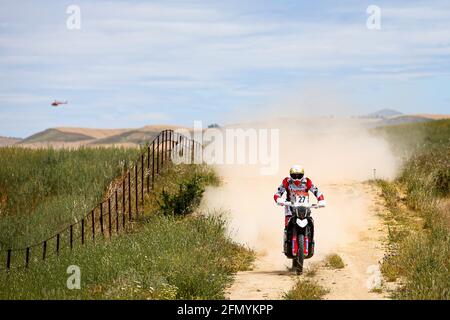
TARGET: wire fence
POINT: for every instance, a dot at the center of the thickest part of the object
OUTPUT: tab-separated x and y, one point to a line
123	203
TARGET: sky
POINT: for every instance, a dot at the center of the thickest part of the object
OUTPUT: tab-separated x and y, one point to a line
136	63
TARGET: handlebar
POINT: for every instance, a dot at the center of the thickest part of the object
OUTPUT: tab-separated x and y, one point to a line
313	205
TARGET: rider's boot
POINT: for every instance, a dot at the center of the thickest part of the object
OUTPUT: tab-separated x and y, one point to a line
312	242
311	249
286	249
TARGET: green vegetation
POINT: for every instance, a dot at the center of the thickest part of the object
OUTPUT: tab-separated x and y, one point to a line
419	212
185	200
306	290
44	190
311	271
334	261
163	255
412	138
166	258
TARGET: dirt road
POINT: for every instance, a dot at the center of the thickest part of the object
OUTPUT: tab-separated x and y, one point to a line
349	226
338	156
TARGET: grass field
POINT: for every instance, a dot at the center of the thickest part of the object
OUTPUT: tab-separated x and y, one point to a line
419	211
43	190
164	255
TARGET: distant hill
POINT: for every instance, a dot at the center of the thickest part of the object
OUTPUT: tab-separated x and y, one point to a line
433	116
91	132
405	119
411	118
134	136
7	141
55	135
383	114
75	137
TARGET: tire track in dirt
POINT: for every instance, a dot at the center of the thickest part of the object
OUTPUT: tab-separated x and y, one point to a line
361	277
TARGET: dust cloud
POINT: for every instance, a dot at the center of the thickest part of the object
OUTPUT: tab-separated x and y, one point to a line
337	154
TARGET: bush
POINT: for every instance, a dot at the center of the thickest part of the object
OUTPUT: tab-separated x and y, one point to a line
185	200
334	261
306	290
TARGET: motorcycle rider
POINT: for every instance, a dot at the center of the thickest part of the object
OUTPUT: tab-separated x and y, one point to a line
296	183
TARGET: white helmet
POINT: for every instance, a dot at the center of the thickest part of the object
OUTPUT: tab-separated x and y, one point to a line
297	172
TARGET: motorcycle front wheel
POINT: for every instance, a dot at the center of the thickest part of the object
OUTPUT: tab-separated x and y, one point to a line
297	262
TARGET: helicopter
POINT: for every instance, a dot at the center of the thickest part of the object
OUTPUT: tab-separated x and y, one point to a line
57	103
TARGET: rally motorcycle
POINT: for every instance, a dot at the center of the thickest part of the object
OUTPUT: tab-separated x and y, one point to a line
299	243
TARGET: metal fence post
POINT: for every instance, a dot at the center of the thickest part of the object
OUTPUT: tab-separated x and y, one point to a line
8	259
57	243
109	217
117	210
71	236
129	195
44	249
153	165
164	147
157	154
101	217
93	224
193	151
27	257
123	202
148	169
169	144
142	179
136	189
82	231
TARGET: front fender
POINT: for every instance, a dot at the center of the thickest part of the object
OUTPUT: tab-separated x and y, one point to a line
302	222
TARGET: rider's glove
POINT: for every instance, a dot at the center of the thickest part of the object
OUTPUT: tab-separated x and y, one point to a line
321	203
280	201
